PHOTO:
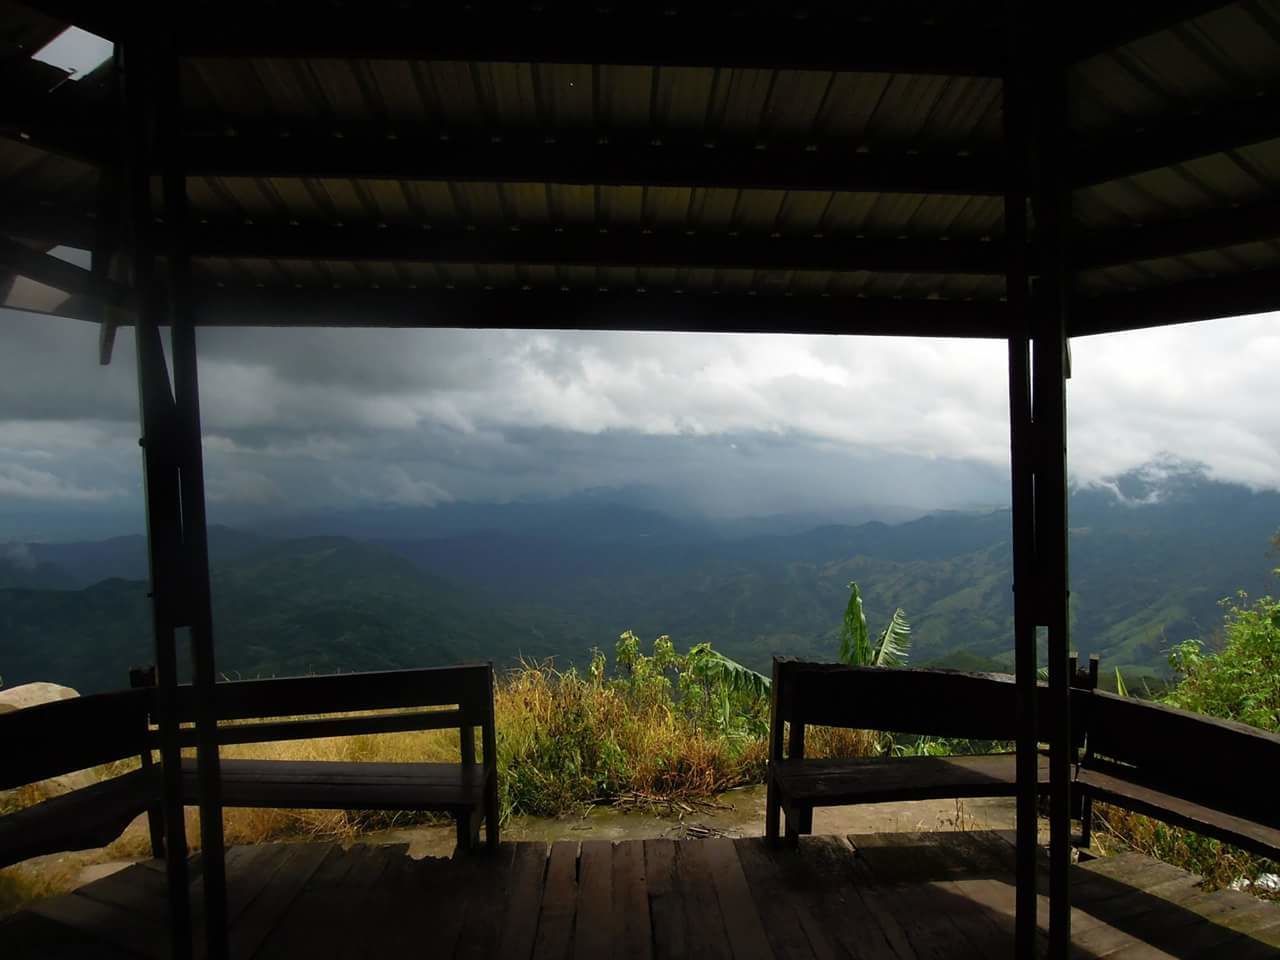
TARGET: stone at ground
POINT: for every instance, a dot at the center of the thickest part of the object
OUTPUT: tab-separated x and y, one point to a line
30	694
1267	883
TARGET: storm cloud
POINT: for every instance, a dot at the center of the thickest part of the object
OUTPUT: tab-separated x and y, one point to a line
723	424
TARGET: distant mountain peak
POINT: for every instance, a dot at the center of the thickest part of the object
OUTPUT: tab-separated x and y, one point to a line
1163	479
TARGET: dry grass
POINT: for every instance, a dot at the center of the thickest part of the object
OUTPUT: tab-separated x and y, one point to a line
841	742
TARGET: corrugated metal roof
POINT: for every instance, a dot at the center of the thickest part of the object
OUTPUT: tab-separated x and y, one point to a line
1176	77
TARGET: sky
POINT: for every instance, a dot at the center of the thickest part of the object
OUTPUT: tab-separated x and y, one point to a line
724	425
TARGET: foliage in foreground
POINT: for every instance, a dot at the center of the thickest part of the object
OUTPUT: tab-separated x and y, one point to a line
891	647
1239	680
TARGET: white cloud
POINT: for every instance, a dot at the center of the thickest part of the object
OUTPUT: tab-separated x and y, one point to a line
18	555
240	486
24	483
410	416
395	485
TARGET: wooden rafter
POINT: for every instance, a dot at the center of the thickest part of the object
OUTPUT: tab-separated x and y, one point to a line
1106	25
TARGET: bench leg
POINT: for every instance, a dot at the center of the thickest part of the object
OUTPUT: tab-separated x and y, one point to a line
772	812
799	822
468	827
805	816
155	826
1086	820
492	815
792	830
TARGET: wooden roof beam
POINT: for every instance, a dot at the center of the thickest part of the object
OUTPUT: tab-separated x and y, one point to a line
58	274
1105	25
1193	300
554	310
596	161
686	37
104	19
584	246
534	244
568	158
1151	241
1213	128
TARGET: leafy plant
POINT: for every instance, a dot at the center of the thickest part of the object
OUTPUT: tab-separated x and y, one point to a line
892	646
1241	680
1121	688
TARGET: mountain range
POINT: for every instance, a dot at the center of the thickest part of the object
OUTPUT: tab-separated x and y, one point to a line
1152	553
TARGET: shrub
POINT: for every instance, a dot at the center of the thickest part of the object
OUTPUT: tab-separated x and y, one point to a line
1239	681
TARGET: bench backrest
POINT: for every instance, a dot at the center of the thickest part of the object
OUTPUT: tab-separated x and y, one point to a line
1218	763
932	702
466	689
63	736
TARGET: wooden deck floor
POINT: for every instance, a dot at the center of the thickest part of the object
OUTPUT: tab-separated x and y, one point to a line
879	897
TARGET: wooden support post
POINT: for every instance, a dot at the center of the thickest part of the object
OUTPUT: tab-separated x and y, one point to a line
489	755
164	522
1017	136
772	812
195	546
1052	204
144	678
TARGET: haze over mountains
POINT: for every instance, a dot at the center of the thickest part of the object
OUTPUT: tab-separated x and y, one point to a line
1152	554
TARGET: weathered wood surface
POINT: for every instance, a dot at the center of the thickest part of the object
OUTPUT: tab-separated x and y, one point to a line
877	780
1130	792
326	784
465	685
90	817
67	735
867	897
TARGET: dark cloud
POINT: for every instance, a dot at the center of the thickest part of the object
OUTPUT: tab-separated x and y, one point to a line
724	423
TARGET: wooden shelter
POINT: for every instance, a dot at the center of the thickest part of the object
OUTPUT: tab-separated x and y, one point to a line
1023	171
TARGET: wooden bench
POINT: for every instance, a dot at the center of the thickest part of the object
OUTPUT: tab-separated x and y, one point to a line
943	703
1211	776
250	711
63	737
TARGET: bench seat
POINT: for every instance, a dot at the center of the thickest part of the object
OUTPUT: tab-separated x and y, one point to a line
826	783
83	819
1127	790
335	785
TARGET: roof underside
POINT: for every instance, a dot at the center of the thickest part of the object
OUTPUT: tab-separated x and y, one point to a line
567	166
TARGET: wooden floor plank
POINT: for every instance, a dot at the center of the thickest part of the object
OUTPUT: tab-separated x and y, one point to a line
295	867
821	871
309	928
520	926
143	892
703	921
559	900
903	888
486	909
382	905
418	903
898	897
988	922
593	932
113	925
631	922
29	936
747	938
670	941
775	901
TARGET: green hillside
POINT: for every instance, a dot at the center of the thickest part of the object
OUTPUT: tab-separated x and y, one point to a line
1148	568
303	606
